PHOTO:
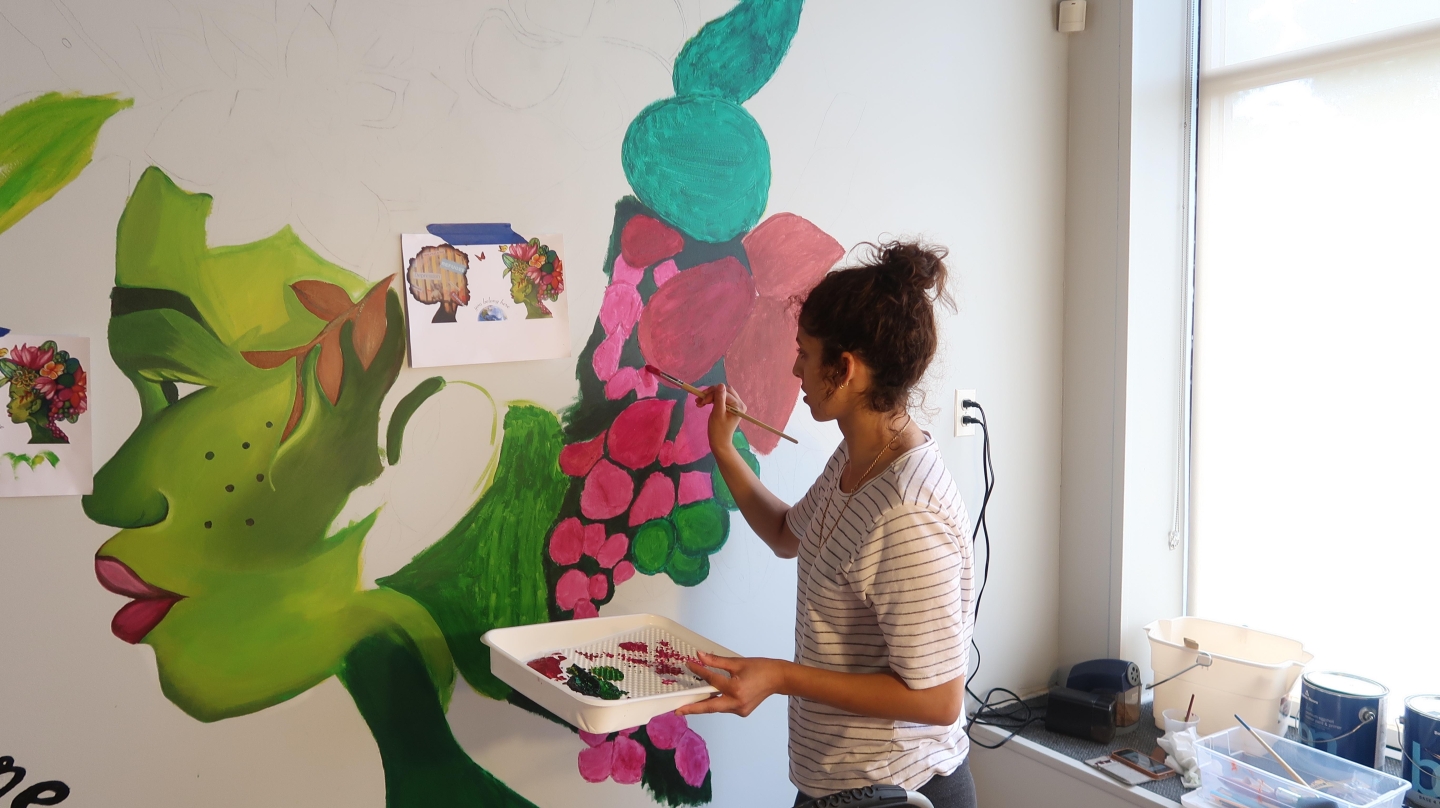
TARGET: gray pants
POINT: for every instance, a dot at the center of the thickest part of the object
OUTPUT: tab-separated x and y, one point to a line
953	790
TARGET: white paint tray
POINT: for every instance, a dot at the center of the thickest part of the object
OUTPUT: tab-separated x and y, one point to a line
595	642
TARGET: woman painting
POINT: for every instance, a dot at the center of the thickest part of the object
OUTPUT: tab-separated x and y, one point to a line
885	607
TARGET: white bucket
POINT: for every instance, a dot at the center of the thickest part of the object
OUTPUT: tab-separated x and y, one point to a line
1250	676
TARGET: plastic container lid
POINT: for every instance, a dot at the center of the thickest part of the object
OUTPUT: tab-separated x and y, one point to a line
1346	684
1426	705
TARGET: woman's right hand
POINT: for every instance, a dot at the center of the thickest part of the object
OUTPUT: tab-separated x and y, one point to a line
723	423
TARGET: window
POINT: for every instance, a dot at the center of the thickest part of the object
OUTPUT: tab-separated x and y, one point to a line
1316	432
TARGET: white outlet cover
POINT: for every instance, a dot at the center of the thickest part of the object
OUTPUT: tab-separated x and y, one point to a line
963	430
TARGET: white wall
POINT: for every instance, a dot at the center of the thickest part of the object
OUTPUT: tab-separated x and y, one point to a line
356	122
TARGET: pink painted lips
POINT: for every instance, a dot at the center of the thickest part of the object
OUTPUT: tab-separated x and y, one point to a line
150	605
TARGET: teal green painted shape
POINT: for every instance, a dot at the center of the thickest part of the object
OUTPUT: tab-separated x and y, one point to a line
733	56
701	527
404	411
722	491
701	163
424	765
652	545
686	569
488	571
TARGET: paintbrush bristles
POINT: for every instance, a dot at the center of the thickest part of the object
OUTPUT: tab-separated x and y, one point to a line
695	391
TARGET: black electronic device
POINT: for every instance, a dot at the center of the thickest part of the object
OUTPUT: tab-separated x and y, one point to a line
885	796
1079	714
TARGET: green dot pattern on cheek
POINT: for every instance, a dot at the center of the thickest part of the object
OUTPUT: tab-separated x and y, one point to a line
245	445
208	524
209	455
259	478
230	489
250	522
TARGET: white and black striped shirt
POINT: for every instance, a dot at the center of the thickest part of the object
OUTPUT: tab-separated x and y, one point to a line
891	590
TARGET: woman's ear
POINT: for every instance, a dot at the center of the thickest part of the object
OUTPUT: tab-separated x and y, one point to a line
848	368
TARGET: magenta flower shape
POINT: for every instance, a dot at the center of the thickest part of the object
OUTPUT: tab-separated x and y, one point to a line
33	357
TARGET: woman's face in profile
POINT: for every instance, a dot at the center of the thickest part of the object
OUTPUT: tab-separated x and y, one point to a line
816	391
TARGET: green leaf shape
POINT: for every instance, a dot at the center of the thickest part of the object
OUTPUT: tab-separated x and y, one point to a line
44	144
608	673
686	569
722	491
424	765
241	292
701	527
701	163
488	571
735	55
652	546
404	411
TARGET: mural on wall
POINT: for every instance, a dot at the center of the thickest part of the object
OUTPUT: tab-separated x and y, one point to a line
261	369
44	144
46	432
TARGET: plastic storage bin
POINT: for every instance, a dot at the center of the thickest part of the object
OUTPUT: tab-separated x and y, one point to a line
1235	767
512	648
1251	674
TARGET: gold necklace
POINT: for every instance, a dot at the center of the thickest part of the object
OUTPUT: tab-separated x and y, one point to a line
824	537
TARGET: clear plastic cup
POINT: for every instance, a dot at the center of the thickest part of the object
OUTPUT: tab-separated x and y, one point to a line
1175	721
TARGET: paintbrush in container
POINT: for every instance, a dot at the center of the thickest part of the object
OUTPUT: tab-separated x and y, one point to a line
695	391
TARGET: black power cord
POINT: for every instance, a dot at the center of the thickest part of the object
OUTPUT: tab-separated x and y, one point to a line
1009	713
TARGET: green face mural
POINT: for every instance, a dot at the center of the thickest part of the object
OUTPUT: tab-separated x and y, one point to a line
261	370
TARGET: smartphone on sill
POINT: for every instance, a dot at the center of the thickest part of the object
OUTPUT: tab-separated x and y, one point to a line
1119	771
1142	764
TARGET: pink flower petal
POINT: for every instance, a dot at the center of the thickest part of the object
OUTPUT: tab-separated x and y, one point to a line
607	491
592	739
628	732
664	272
757	365
585	609
691	320
695	486
620	309
627	379
606	360
577	459
656	499
666	730
692	758
599	586
638	431
629	760
623	572
789	255
613	550
572	588
625	273
693	441
595	762
565	543
594	538
646	240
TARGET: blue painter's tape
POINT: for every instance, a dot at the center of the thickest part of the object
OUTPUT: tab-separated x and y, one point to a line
484	233
4	331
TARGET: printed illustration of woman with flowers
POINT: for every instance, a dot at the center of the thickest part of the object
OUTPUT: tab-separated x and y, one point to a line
536	275
47	386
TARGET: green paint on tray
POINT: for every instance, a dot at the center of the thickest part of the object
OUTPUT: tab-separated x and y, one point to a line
651	549
702	163
701	527
587	683
488	571
44	144
424	765
608	673
686	569
735	55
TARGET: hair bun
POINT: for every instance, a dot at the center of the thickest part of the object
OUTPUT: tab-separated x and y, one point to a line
915	265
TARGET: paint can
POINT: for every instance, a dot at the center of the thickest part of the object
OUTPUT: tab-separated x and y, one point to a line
1345	716
1421	744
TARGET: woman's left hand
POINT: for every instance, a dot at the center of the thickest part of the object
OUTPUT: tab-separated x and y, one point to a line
751	681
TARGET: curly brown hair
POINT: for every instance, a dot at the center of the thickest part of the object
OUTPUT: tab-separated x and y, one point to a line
882	311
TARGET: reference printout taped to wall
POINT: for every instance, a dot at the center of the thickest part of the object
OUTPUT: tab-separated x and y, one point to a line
45	438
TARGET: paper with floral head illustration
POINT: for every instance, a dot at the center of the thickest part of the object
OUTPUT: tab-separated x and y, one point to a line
45	428
470	304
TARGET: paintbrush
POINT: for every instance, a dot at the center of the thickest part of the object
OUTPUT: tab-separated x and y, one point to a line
1190	709
695	391
1272	752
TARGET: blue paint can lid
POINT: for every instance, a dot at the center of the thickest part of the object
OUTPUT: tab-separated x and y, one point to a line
1345	684
1426	705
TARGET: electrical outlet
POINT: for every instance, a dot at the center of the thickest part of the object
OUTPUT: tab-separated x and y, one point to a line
963	430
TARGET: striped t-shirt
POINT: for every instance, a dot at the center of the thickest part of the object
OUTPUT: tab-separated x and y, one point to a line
890	591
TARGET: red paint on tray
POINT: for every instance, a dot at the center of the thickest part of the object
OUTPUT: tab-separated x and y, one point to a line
637	647
549	666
